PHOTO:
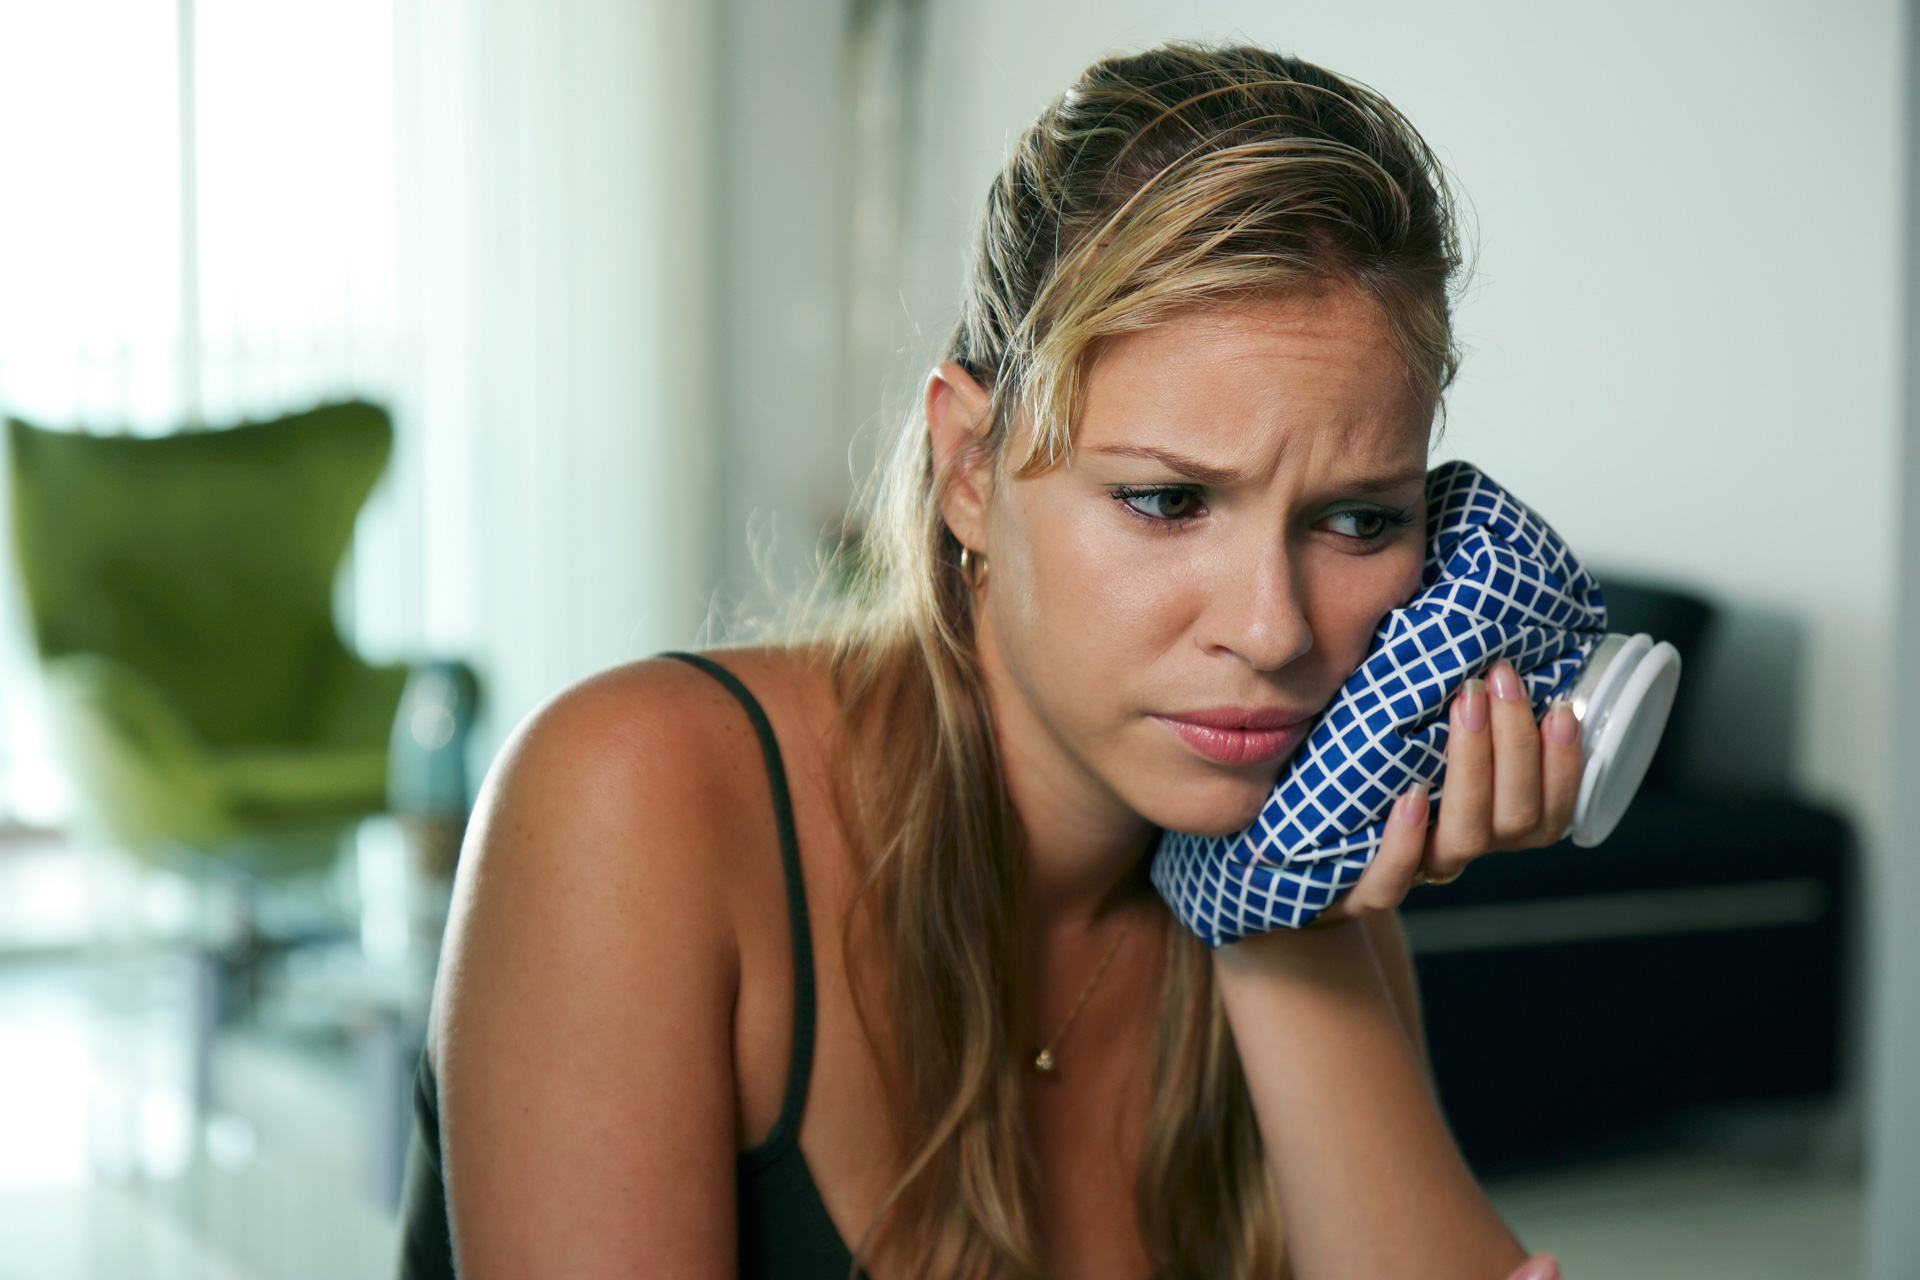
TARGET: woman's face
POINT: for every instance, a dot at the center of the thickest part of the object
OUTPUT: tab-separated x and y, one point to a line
1169	611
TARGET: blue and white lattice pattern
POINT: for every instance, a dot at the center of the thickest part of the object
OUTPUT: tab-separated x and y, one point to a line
1498	583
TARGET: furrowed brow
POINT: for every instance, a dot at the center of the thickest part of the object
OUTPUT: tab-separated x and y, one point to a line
1190	468
1387	483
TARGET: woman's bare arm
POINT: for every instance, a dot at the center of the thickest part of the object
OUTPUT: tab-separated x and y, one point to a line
1371	1185
582	1031
1388	937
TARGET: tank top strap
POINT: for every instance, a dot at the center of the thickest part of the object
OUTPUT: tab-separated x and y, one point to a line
786	1130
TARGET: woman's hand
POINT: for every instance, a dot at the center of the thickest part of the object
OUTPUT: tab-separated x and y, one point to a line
1511	784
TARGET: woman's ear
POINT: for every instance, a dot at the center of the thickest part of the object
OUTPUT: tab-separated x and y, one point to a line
958	413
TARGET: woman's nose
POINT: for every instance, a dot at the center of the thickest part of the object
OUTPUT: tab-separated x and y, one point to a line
1255	612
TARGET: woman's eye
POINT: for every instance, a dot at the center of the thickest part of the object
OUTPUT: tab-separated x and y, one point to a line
1364	523
1162	502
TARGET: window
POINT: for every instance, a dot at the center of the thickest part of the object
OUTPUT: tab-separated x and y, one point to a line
146	284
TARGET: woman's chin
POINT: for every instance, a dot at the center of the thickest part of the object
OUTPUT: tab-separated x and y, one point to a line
1221	807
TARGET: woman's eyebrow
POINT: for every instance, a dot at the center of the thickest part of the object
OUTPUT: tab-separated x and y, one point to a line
1207	473
1191	468
1385	483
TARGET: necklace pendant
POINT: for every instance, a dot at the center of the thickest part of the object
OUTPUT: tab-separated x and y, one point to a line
1044	1062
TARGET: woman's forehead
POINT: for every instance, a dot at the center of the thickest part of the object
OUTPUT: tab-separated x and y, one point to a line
1252	384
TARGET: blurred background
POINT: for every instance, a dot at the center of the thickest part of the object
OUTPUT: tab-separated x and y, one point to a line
563	332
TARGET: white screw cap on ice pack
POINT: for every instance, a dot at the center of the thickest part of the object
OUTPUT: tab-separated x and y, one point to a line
1622	698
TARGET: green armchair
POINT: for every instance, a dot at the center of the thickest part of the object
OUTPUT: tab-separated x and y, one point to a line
181	591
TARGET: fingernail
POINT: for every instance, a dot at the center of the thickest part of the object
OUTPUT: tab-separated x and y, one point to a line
1473	705
1413	806
1504	683
1541	1266
1563	726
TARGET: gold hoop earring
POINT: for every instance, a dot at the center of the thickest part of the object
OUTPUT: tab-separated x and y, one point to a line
973	569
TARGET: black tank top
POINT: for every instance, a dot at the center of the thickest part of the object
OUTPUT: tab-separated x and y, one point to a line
785	1232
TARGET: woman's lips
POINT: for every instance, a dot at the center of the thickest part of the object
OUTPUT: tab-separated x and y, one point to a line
1239	735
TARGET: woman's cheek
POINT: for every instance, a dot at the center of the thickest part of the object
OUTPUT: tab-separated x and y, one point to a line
1353	593
1147	602
1134	587
1102	603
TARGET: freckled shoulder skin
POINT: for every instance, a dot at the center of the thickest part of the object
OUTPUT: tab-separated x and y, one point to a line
616	883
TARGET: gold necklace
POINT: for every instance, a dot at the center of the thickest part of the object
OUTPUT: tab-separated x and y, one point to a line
1043	1061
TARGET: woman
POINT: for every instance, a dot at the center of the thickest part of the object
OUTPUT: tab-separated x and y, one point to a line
762	961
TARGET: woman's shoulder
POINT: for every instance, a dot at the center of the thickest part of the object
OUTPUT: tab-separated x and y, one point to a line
628	815
662	713
652	760
672	714
613	895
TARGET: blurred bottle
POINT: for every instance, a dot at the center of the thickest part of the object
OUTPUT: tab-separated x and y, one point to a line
427	761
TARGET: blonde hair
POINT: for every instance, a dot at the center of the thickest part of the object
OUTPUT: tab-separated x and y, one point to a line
1179	177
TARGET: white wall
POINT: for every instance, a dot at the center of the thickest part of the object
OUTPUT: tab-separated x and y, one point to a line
782	288
1681	337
